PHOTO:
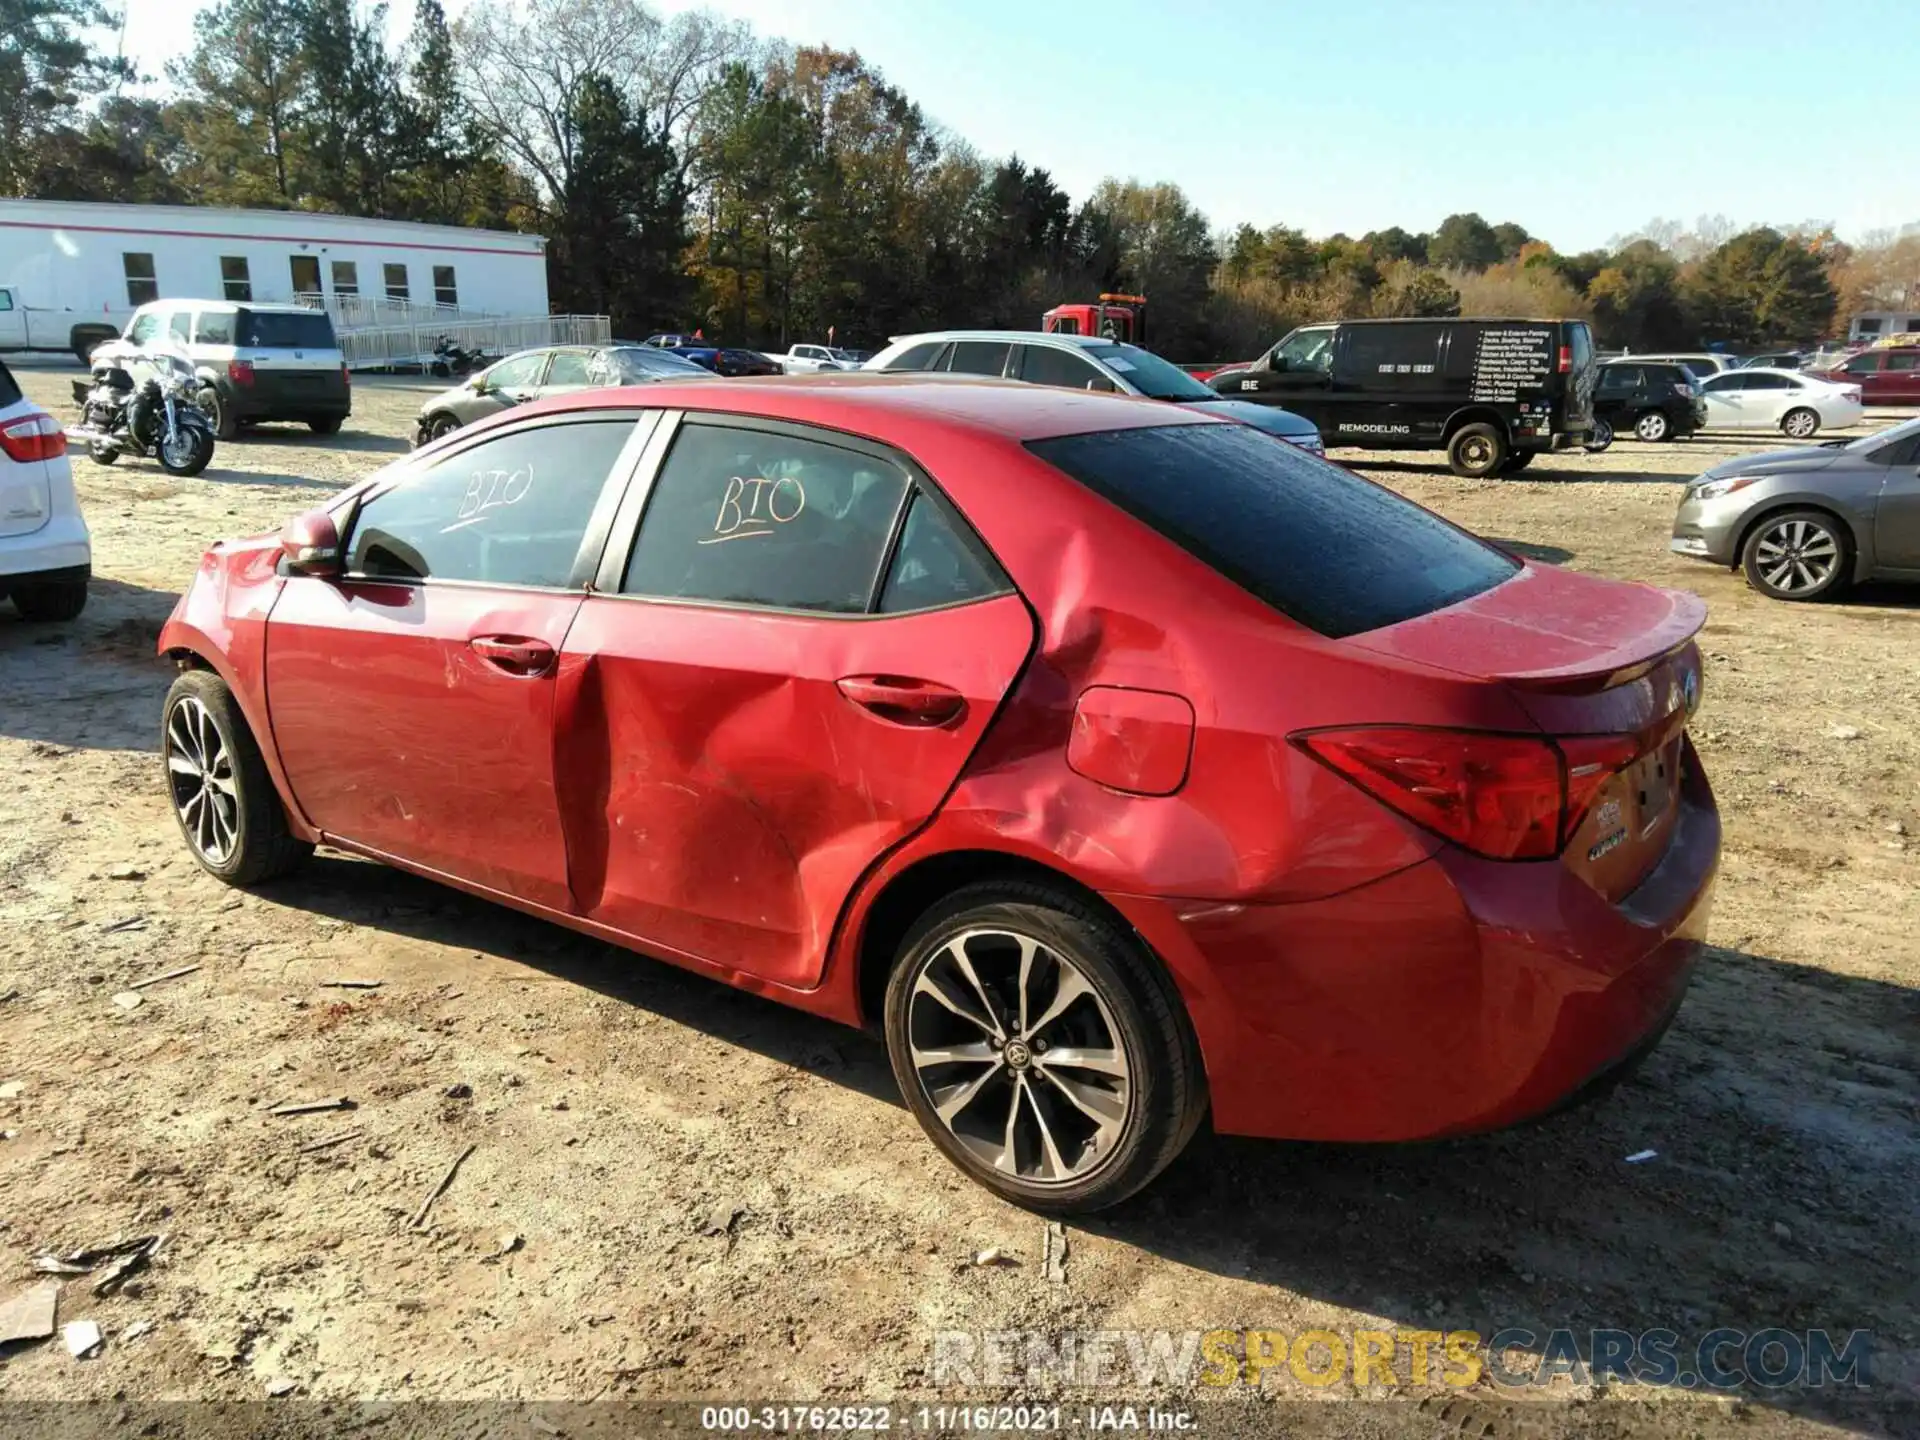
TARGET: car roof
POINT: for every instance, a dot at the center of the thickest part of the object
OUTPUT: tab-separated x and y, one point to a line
890	407
1020	337
263	307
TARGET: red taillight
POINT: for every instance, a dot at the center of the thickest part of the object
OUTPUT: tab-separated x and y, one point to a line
240	372
35	437
1507	797
346	375
1566	358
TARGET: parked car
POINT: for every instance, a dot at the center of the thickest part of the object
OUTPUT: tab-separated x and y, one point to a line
549	370
803	359
1170	773
1775	360
22	327
732	361
1703	363
1889	375
1647	400
1491	393
1795	405
1081	362
687	347
255	362
46	553
1804	524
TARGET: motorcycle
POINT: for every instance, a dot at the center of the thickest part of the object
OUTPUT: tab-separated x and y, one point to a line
1601	437
449	359
143	402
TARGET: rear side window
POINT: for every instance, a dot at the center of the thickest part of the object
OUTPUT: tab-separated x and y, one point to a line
214	327
1338	554
1907	361
979	357
286	330
918	357
764	517
1044	365
937	563
9	390
510	511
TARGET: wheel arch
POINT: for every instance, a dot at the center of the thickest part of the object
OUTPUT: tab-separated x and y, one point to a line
1862	562
1475	415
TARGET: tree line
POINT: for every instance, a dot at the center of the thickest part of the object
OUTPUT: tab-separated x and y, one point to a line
689	172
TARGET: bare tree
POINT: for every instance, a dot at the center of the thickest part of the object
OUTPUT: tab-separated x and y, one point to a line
521	68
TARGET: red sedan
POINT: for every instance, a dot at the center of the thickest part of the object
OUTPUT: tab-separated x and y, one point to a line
1121	765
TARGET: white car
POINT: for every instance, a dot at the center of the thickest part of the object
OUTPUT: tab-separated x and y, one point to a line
806	359
1797	405
46	554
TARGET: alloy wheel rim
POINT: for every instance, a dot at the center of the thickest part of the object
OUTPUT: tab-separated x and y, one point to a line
1019	1057
178	451
1652	427
200	774
1800	424
1796	556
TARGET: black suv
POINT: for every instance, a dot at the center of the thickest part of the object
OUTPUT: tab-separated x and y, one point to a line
1491	393
1647	400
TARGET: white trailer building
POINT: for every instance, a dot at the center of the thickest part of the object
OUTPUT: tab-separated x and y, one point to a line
68	255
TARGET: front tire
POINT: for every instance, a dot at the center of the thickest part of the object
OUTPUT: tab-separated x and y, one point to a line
1653	427
441	426
1798	555
1800	423
1477	451
219	414
51	600
188	458
1041	1048
223	799
1519	460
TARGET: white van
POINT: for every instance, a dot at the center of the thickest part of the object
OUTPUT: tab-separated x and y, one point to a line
258	362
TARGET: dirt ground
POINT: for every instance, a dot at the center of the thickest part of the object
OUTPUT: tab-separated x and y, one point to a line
676	1190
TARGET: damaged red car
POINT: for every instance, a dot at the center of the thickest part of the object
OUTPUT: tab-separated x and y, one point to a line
1125	768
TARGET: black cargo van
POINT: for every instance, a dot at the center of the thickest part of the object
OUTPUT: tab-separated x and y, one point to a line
1491	393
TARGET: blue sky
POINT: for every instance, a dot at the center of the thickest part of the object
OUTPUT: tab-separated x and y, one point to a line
1580	119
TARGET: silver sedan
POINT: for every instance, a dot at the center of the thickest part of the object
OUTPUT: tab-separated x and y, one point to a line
1804	524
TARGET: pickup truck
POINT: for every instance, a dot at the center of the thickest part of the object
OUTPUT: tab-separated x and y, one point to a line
801	359
25	329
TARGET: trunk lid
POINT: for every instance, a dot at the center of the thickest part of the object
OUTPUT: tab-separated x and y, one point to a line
1584	657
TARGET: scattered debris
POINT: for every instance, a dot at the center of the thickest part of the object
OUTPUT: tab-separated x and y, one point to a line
459	1090
544	1425
29	1315
54	1265
332	1140
1053	1261
510	1242
1898	827
127	1266
1844	732
83	1337
312	1107
1782	1231
420	1215
125	872
157	979
1640	1157
282	1385
351	984
125	923
135	1330
722	1218
13	1089
10	995
994	1255
82	1262
128	999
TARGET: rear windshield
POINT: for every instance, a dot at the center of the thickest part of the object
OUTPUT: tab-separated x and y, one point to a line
268	330
9	392
1339	554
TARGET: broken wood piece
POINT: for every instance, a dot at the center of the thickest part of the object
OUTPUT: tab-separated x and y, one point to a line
312	1107
420	1216
352	984
331	1141
128	1265
157	979
29	1315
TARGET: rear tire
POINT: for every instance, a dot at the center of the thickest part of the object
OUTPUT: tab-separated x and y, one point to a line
1800	423
102	454
1798	555
1601	438
1653	426
1083	1136
223	799
325	424
1519	460
1477	451
51	600
219	414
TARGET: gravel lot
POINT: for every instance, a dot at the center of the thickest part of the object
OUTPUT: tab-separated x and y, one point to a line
681	1191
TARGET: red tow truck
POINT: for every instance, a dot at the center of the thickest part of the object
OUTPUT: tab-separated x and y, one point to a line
1112	317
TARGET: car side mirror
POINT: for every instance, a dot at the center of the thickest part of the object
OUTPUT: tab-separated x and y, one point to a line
310	545
1276	361
478	384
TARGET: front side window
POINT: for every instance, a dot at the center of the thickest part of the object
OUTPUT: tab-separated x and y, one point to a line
1306	350
1862	365
144	328
142	288
979	357
445	290
509	511
759	517
518	371
1319	544
1726	384
1044	365
570	367
396	279
237	284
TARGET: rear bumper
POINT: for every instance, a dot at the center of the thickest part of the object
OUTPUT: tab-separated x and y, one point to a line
279	396
1454	996
59	550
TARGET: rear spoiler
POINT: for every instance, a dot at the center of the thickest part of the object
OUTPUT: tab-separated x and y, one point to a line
1627	661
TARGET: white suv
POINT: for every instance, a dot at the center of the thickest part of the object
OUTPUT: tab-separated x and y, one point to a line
46	555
